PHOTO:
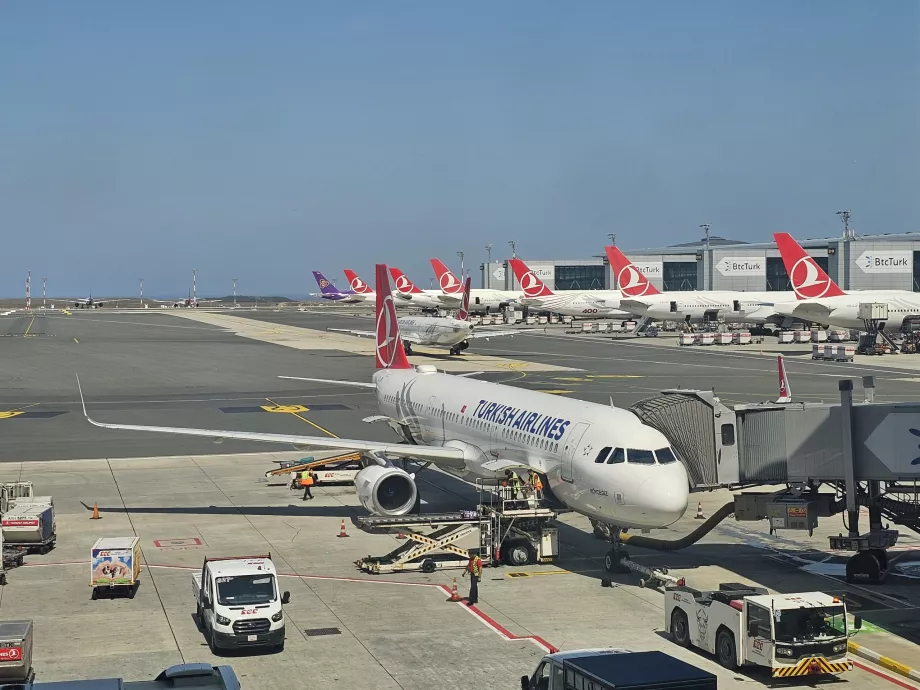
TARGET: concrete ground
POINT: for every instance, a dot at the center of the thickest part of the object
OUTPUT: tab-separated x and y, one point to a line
156	368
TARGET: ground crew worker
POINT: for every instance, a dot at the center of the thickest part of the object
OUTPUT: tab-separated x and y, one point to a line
474	569
514	481
306	480
537	484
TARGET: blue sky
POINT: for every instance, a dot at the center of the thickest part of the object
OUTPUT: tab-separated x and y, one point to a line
264	140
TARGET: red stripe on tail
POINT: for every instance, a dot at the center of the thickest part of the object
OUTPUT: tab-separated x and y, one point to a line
390	352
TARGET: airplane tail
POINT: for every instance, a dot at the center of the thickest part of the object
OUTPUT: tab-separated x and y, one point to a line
785	392
450	284
808	279
402	282
325	286
358	285
464	313
390	351
631	281
531	285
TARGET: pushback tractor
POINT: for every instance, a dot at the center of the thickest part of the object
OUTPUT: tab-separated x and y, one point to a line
791	634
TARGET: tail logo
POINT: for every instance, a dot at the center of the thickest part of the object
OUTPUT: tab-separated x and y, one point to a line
403	284
632	283
448	282
324	283
357	284
806	279
531	285
387	333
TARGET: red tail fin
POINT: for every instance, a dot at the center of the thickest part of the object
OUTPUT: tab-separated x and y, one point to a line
390	352
785	392
450	284
631	281
358	285
808	279
531	286
402	282
464	313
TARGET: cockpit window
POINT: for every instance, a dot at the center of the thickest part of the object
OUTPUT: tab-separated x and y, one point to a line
665	456
640	457
617	456
602	455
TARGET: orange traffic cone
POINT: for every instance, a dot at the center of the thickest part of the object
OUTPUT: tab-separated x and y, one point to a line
342	532
455	593
95	515
400	535
699	511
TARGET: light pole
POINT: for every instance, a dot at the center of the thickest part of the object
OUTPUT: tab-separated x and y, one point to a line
234	292
462	276
141	281
489	250
613	237
29	291
512	243
44	291
847	233
194	288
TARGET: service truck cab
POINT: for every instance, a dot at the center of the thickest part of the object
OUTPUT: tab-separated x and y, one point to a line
791	634
616	669
238	603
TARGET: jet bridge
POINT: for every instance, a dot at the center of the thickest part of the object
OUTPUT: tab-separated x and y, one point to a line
867	452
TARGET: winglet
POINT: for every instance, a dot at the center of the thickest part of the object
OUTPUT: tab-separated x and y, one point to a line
785	392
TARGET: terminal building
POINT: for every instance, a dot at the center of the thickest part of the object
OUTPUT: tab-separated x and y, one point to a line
869	262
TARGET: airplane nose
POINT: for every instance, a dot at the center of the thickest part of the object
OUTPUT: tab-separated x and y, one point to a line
665	498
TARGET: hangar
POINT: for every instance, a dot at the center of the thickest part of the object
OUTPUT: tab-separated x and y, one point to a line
866	262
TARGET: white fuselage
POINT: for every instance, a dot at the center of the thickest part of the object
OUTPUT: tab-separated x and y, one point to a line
426	299
730	306
558	437
483	301
843	310
596	304
434	330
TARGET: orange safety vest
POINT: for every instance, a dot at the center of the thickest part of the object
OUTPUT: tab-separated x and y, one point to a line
537	483
307	480
474	567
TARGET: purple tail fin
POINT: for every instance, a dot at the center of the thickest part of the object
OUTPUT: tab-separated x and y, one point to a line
326	286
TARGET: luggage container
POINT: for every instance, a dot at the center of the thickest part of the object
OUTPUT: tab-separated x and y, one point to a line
16	651
29	528
845	353
724	338
802	337
786	337
687	338
707	338
115	566
818	336
603	327
838	336
817	351
742	337
9	492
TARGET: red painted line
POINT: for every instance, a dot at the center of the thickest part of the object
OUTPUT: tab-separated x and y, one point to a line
890	679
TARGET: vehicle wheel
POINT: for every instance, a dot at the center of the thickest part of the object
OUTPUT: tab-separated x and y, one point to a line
863	568
725	650
212	643
198	619
519	553
278	648
680	628
95	594
429	566
613	562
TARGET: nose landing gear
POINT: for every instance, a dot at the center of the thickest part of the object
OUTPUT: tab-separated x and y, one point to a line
613	559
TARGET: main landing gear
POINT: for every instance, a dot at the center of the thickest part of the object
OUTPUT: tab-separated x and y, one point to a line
407	347
459	347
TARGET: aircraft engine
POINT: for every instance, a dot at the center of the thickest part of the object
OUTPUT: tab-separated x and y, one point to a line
386	491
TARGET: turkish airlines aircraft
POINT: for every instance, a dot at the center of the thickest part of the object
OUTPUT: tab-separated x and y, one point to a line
90	303
598	460
426	299
732	306
482	301
820	299
584	304
438	331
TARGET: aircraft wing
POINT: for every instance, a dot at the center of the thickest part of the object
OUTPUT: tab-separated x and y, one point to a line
491	334
810	311
371	334
629	304
450	456
449	300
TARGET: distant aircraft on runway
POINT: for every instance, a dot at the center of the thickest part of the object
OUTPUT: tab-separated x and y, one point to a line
438	331
819	299
598	460
91	303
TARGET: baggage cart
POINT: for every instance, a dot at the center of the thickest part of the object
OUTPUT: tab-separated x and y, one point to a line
16	651
115	566
29	528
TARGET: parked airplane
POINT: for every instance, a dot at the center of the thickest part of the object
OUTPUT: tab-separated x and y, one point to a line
437	331
328	290
731	306
600	461
426	299
358	286
482	301
578	303
820	299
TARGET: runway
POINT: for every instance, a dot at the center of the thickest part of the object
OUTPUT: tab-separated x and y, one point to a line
158	368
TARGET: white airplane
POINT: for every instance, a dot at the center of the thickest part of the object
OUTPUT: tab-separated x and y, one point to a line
438	331
425	299
364	291
820	299
600	461
579	303
91	303
482	301
640	297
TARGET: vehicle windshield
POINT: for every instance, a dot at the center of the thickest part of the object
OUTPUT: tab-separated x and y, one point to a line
809	624
246	590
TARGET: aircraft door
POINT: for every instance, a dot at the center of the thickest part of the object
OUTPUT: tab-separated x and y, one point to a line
568	452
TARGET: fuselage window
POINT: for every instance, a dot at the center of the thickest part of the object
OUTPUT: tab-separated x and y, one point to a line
640	457
665	456
602	456
617	456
